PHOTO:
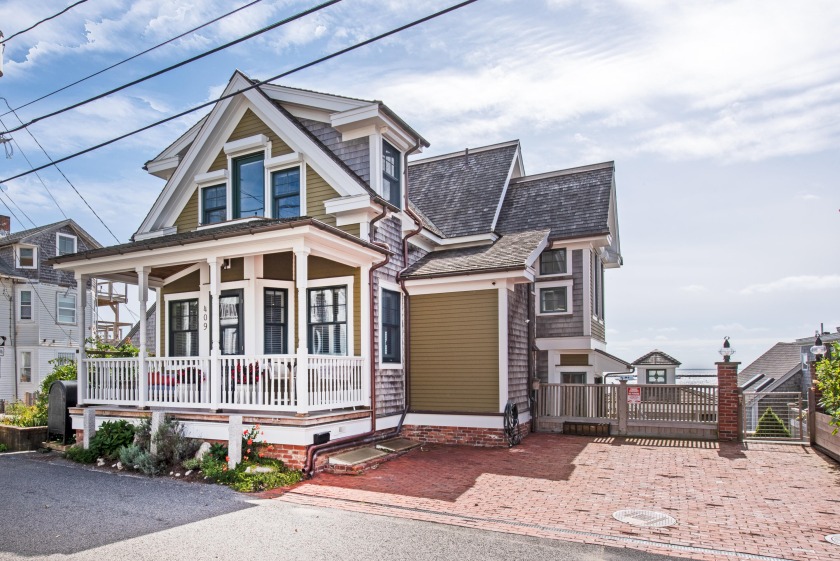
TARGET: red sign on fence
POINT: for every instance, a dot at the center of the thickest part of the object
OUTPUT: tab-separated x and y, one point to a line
634	394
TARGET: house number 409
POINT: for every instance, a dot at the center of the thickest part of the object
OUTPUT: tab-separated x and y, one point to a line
204	319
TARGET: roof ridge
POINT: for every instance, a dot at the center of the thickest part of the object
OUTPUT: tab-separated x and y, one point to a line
464	152
562	172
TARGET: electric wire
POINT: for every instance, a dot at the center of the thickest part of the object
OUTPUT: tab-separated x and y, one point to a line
70	183
44	304
123	61
22	153
190	60
256	84
37	23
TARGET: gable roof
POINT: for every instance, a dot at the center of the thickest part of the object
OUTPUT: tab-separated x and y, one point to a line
511	252
460	192
24	235
781	361
571	203
656	358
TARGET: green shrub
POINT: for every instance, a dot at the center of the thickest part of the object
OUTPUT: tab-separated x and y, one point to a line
79	454
62	370
3	448
239	480
143	433
110	437
191	464
771	425
136	458
18	414
828	382
172	446
219	451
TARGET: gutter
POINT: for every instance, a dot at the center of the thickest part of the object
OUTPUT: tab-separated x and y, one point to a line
467	273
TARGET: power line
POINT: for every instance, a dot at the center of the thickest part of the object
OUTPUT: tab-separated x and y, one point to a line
274	25
22	153
150	49
70	183
37	23
35	290
251	87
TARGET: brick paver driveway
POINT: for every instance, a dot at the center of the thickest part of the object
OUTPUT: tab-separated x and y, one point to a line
730	500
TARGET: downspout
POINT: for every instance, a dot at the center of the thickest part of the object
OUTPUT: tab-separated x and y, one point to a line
13	333
532	358
313	450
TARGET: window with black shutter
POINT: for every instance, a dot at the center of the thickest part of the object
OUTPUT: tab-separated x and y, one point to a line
274	322
390	326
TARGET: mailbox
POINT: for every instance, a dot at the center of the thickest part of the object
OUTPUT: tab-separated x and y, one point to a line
61	398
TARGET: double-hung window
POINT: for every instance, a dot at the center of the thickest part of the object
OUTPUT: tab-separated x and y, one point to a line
390	326
66	308
328	320
25	304
656	376
553	262
26	257
285	192
391	175
213	204
183	328
65	244
274	324
248	186
554	300
26	366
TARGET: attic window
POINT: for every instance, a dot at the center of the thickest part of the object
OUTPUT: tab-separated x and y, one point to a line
26	258
391	175
656	376
248	186
65	244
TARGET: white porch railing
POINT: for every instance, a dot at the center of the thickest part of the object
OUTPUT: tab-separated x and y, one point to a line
257	383
578	400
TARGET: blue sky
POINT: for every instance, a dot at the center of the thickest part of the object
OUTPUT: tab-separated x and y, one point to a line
723	119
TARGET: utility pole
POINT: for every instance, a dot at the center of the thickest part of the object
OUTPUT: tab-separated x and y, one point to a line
2	48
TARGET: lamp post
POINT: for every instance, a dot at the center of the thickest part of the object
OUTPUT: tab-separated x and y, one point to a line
818	349
726	351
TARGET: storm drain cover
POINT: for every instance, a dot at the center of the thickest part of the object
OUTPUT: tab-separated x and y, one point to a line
833	538
646	518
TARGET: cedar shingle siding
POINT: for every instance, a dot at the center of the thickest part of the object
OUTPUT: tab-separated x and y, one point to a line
570	325
455	352
518	346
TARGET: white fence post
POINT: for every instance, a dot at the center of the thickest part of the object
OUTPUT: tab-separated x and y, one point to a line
622	407
234	440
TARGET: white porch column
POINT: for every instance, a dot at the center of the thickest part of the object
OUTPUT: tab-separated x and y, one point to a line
159	314
249	309
143	299
302	382
364	291
215	347
81	313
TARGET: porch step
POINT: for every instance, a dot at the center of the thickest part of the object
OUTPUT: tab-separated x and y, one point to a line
397	445
360	460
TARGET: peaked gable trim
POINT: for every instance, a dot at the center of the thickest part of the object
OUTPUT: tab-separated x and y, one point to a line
516	162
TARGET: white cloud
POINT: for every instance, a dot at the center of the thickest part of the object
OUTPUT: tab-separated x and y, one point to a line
694	288
737	327
795	283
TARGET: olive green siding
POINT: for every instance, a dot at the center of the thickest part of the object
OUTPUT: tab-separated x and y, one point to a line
235	272
320	268
455	352
189	283
318	191
278	266
352	229
187	221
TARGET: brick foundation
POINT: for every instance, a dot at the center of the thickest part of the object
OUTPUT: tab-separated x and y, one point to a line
728	395
468	436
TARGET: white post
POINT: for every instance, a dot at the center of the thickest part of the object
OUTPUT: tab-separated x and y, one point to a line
81	370
234	441
143	299
364	290
250	311
215	348
302	382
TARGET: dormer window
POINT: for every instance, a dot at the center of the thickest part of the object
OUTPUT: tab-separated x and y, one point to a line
553	262
214	204
26	257
391	190
65	244
248	186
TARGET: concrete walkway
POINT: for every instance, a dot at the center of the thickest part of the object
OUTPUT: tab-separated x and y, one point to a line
733	501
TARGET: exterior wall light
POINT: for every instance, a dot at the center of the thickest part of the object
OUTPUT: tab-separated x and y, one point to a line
818	350
726	351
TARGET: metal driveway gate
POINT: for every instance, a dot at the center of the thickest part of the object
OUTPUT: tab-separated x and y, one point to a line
774	416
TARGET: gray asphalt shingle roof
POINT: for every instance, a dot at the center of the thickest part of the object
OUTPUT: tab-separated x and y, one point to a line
460	193
656	357
16	237
571	203
508	252
775	363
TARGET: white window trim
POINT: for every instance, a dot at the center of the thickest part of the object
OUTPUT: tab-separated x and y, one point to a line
385	285
34	256
554	275
335	281
32	306
569	284
31	367
59	235
174	297
291	319
396	146
246	147
58	297
280	163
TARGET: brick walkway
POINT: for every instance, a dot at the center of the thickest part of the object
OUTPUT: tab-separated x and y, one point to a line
761	499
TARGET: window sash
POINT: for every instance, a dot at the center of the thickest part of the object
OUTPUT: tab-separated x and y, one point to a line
553	262
66	244
328	320
25	304
183	328
248	186
391	312
26	257
214	204
554	299
275	321
26	366
66	309
285	191
391	174
573	377
656	376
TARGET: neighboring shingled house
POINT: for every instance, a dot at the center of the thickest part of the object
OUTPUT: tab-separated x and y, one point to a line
305	269
40	322
777	370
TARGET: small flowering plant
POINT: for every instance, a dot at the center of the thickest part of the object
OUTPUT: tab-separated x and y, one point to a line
252	445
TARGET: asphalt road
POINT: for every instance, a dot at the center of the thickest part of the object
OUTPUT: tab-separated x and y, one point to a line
53	509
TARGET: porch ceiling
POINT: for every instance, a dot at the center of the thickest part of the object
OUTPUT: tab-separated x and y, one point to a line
167	255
